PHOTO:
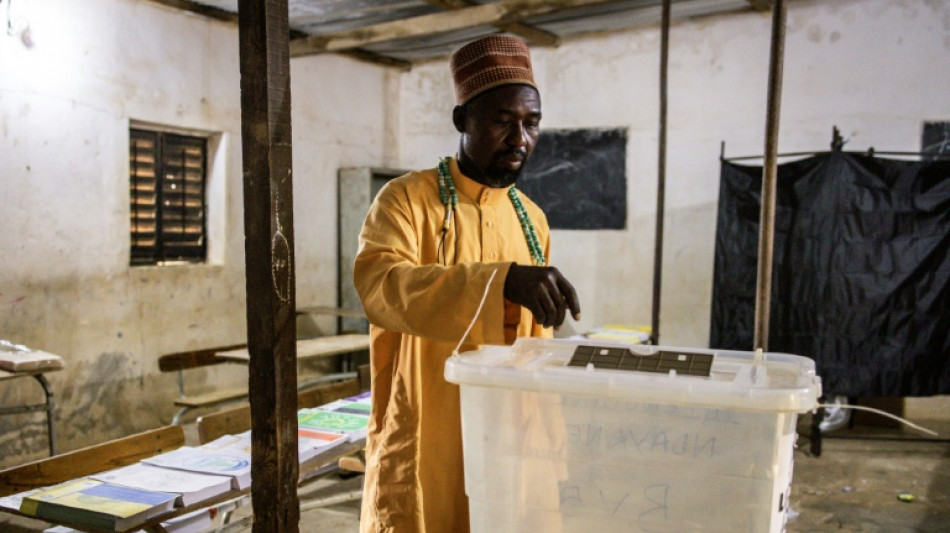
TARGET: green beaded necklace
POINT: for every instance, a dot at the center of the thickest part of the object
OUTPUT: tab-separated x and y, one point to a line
450	200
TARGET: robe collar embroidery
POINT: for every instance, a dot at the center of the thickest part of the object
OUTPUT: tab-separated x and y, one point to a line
485	194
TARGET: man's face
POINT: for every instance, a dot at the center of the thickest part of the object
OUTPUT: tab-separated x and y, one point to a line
499	131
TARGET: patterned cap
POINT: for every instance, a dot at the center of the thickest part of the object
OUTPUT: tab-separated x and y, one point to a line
488	63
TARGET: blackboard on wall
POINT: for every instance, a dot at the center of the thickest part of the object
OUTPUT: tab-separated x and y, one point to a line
578	177
935	139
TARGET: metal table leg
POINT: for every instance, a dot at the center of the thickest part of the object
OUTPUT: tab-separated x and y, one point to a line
47	407
50	428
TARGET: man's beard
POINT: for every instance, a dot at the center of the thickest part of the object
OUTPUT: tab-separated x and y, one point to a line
500	177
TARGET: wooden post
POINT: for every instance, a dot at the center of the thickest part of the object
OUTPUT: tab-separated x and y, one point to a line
769	178
269	259
661	177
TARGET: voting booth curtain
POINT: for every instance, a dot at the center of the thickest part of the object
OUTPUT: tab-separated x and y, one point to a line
861	272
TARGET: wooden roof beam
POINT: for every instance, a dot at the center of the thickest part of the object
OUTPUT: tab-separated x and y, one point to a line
200	9
495	14
536	36
370	57
227	16
760	5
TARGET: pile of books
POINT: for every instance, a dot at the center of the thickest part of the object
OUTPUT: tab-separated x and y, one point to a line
337	422
120	499
19	358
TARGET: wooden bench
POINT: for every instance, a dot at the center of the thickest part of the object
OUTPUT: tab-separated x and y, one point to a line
90	460
306	348
238	419
132	449
106	456
181	361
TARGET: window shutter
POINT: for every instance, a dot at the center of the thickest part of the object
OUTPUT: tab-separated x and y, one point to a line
182	221
167	179
143	151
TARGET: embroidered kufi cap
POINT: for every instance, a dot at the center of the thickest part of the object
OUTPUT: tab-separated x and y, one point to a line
490	62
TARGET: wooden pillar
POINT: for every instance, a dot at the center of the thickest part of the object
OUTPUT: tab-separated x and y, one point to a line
763	287
269	259
661	177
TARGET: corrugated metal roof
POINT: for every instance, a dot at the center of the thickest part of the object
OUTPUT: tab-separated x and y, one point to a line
408	31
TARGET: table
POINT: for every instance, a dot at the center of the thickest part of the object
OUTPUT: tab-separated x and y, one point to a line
348	320
222	502
47	406
235	353
328	310
345	344
307	348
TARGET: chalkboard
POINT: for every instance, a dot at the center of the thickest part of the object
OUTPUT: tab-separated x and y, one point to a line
936	139
578	177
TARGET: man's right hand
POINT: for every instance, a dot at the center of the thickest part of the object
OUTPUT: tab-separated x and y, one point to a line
544	291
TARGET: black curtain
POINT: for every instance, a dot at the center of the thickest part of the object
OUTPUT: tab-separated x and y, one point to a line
861	272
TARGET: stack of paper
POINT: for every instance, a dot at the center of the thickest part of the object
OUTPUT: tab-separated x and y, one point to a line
194	522
621	333
341	417
13	501
127	497
239	444
363	399
225	462
200	520
19	358
310	443
313	441
191	487
97	504
347	406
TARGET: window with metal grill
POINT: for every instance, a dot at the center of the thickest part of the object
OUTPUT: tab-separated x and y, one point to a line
167	174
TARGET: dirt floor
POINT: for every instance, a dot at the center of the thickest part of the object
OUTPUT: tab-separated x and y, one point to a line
856	484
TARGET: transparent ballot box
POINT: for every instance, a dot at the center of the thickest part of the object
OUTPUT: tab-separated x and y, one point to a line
581	436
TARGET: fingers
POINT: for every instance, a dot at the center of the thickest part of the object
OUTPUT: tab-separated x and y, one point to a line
570	297
551	314
544	291
556	297
539	311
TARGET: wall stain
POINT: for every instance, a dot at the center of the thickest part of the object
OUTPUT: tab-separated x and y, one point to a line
22	439
110	400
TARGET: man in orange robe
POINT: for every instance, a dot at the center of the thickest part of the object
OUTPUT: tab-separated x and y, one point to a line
429	246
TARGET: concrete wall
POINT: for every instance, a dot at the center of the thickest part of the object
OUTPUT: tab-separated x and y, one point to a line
67	98
875	68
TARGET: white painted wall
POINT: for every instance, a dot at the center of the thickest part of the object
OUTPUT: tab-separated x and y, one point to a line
877	69
66	103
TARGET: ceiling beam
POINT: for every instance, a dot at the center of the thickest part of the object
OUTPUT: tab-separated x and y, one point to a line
535	36
495	14
760	5
370	57
227	16
207	11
